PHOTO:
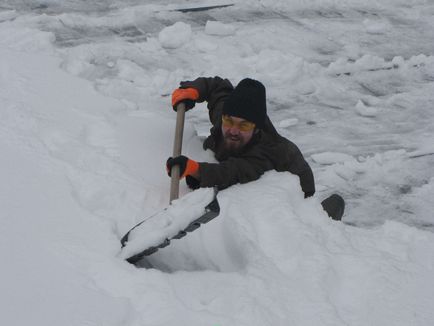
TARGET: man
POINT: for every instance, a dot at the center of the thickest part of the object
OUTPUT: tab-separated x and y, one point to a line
244	140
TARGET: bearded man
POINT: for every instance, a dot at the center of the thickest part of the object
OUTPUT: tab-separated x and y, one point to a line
243	139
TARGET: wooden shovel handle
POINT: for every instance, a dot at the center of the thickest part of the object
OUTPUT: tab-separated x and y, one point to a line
177	148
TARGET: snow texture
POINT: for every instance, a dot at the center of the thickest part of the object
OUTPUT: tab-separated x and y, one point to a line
331	158
86	126
218	28
175	36
288	123
167	223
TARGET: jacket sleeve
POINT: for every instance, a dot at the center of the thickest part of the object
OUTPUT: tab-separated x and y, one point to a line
213	90
300	167
232	171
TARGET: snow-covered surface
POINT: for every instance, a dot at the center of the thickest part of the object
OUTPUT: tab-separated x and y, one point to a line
288	123
218	28
167	223
331	158
86	126
175	36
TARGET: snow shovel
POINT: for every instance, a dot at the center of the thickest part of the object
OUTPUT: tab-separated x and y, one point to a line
210	211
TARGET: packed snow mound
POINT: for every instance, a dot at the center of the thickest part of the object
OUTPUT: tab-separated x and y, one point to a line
293	255
175	36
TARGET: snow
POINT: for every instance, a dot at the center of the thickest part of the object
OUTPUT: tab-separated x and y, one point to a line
376	26
175	36
218	28
167	223
288	123
331	158
48	239
366	111
86	127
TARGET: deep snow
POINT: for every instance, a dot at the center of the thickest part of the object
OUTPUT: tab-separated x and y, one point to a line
86	126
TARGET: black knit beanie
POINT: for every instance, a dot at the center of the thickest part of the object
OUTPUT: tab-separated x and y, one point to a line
247	101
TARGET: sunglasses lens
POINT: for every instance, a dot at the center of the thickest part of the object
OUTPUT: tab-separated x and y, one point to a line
227	121
242	126
246	126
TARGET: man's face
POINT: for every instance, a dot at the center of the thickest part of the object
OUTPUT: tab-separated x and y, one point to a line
237	132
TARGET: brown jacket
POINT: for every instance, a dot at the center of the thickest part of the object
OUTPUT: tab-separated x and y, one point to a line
267	150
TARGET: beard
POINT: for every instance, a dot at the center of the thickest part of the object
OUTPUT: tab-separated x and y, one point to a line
233	142
232	145
228	145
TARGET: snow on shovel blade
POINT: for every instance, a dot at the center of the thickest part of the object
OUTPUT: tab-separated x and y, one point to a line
182	216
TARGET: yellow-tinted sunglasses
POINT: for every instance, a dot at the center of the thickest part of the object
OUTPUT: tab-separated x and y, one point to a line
244	126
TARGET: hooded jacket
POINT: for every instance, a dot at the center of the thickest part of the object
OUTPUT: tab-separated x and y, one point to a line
267	150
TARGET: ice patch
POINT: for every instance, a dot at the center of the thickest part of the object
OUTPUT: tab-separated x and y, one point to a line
175	36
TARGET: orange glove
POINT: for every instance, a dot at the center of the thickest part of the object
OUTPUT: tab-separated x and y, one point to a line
187	95
186	166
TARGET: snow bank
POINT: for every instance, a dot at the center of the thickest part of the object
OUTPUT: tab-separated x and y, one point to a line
49	236
284	250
